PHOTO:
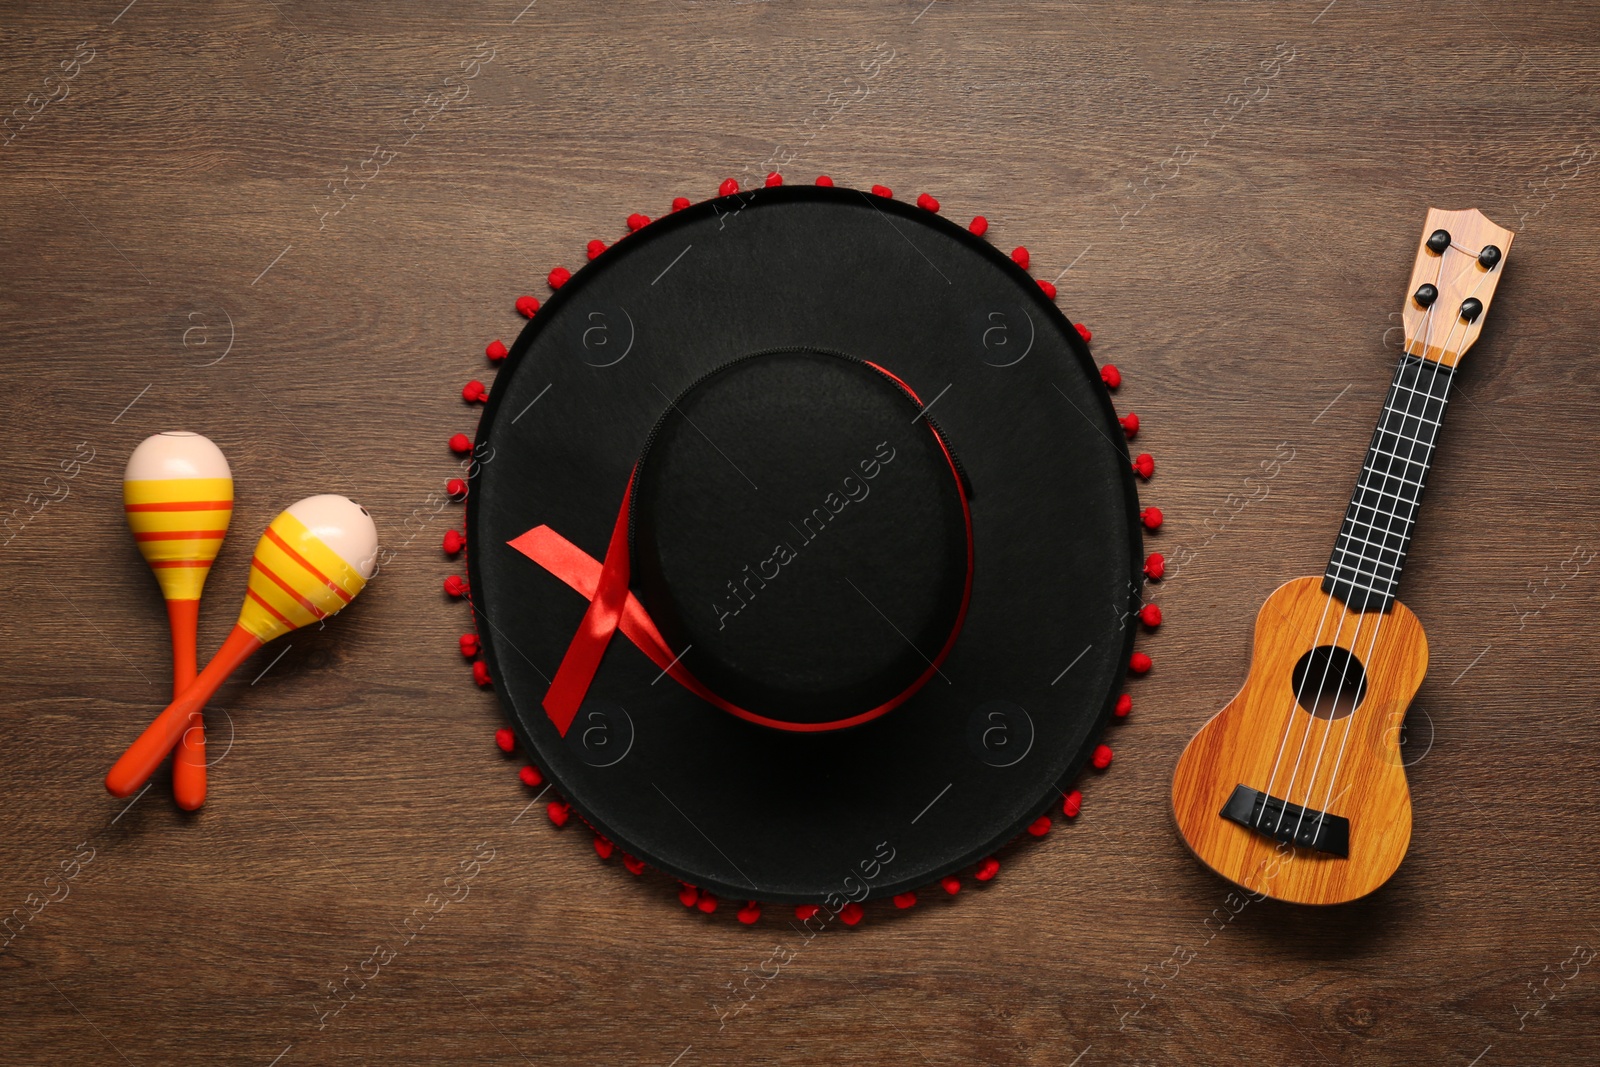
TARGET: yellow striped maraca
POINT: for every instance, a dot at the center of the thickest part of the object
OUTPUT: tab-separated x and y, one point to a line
312	561
177	492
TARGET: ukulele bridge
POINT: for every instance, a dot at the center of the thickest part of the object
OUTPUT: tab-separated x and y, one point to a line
1291	823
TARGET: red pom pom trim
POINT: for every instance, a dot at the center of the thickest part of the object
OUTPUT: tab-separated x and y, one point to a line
1071	804
852	913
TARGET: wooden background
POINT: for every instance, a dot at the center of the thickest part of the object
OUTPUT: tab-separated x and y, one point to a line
171	257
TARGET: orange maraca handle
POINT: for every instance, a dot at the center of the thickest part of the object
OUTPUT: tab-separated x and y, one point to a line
142	758
189	761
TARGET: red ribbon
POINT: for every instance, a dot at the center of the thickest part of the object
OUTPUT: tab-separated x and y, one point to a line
612	607
600	621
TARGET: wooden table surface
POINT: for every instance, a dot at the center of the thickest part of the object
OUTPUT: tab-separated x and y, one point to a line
252	219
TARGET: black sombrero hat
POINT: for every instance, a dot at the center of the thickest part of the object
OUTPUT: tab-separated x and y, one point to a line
803	545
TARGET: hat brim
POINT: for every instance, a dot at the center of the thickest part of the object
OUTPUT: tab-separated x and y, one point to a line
938	783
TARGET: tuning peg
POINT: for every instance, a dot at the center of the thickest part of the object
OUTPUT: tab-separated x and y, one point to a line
1489	258
1471	308
1426	295
1438	241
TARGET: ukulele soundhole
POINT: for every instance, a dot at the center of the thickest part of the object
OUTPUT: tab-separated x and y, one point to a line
1329	682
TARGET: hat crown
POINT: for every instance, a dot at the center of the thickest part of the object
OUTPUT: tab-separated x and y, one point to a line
799	535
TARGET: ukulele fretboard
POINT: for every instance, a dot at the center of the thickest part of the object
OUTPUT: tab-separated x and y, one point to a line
1364	570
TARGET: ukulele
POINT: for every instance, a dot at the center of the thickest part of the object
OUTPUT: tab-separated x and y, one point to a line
1296	789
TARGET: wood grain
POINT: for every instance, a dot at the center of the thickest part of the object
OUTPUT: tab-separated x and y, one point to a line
1238	249
1347	765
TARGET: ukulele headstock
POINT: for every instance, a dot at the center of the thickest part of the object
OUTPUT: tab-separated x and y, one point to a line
1459	262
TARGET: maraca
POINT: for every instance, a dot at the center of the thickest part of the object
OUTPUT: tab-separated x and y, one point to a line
311	561
178	495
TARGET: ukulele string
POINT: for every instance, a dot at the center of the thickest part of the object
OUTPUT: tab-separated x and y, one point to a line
1322	685
1372	643
1297	702
1443	399
1355	641
1288	726
1290	717
1361	556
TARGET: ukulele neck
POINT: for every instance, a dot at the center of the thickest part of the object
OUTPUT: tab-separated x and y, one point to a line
1364	570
